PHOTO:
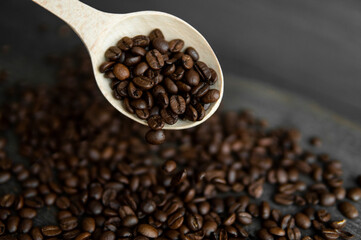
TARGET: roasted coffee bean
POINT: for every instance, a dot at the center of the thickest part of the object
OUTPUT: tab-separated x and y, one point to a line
128	106
155	137
147	230
203	70
202	91
69	223
105	66
179	177
169	166
163	100
302	221
214	77
229	220
323	215
348	210
169	69
148	98
121	72
244	218
354	194
7	200
140	69
277	231
168	116
263	234
177	74
187	61
191	113
125	43
195	222
131	60
142	113
113	53
161	45
170	86
327	199
338	224
330	233
139	51
50	231
283	199
340	193
25	225
122	88
156	33
176	45
27	213
13	224
177	104
265	210
144	83
138	104
155	59
155	122
4	177
140	41
133	91
192	52
88	224
192	78
62	202
287	221
211	96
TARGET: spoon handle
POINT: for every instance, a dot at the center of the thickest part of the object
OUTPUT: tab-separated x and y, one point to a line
86	21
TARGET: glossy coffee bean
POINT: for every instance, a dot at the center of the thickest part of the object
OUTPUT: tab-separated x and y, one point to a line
155	59
155	137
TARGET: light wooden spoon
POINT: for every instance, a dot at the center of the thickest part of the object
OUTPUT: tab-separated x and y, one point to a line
100	30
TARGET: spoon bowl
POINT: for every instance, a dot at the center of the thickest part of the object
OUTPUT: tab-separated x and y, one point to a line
100	30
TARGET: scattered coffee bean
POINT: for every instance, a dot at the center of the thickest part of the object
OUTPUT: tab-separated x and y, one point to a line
148	230
354	194
302	221
348	210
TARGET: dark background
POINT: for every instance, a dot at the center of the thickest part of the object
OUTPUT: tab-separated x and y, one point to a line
308	47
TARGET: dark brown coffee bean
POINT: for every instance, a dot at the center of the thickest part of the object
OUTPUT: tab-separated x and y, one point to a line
156	33
4	177
287	221
203	70
193	53
191	113
50	231
88	224
194	222
142	113
293	233
255	189
128	106
176	45
121	72
130	221
323	215
177	104
113	53
169	69
62	202
229	220
302	221
348	210
131	60
143	82
133	91
263	234
183	87
161	45
176	219
27	213
140	69
13	224
155	122
177	74
340	193
203	91
122	88
211	96
179	177
7	200
345	234
125	43
265	210
338	224
139	51
148	98
192	78
327	199
155	137
187	61
69	223
140	41
138	104
214	77
244	218
277	231
169	166
354	194
170	86
154	59
163	100
168	116
283	199
105	66
77	235
147	230
330	233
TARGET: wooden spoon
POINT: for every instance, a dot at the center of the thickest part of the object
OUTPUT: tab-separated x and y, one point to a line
99	30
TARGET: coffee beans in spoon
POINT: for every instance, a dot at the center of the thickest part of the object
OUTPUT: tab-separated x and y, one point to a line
158	82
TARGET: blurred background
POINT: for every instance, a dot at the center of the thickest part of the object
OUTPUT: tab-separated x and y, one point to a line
311	48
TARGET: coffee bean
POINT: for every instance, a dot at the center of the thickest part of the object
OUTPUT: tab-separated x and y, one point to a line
192	78
138	104
155	122
283	199
169	70
214	77
113	53
287	221
211	96
244	218
133	91
131	60
230	220
4	177
78	236
7	200
339	192
191	113
156	33
62	202
302	221
130	221
147	230
143	83
277	231
203	91
105	66
27	213
323	215
88	224
354	194
265	210
195	222
68	224
138	51
330	233
177	74
176	45
121	72
327	199
203	70
50	231
348	210
161	45
170	86
187	61
168	116
13	224
263	234
155	137
140	69
125	43
155	59
179	177
193	53
142	113
163	100
141	41
177	104
338	224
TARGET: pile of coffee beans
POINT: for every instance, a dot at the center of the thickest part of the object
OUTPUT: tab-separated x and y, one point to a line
87	173
158	82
